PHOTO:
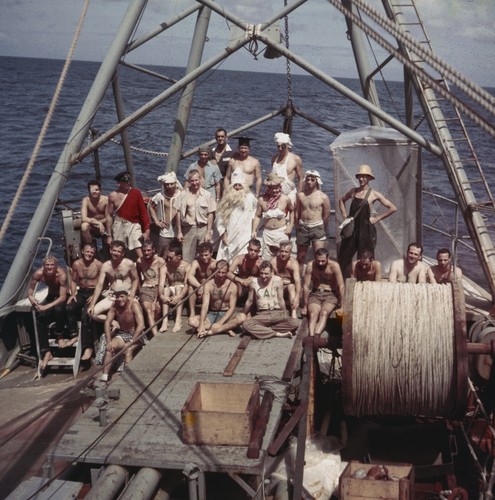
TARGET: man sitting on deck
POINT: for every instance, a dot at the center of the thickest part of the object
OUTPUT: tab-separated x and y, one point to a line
202	267
410	269
325	277
93	213
444	271
218	308
53	306
128	314
266	292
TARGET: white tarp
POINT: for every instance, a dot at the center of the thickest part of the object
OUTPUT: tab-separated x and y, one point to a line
395	162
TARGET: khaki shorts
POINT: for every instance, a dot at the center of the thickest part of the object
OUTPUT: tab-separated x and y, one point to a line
322	297
148	293
128	232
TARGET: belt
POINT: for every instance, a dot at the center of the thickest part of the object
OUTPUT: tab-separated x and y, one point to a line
269	310
321	289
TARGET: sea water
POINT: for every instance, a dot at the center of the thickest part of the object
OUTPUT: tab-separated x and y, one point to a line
222	98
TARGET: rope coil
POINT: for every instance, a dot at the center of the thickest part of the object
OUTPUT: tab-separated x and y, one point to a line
403	349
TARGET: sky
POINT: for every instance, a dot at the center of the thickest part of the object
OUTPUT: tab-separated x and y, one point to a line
462	32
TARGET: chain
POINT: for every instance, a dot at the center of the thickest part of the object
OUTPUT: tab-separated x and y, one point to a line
289	77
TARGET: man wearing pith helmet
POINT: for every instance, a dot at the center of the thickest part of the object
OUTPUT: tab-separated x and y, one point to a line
364	234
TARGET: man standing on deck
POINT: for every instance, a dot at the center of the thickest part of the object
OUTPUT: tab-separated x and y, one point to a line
288	165
410	269
127	218
249	165
327	291
163	212
266	292
209	174
53	306
312	216
195	214
93	213
84	272
221	152
218	307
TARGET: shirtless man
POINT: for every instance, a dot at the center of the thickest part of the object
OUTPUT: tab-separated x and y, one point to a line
287	268
312	216
163	212
201	269
245	267
118	273
128	314
148	267
127	218
221	152
93	213
84	276
410	269
173	285
277	213
218	308
266	292
444	271
53	306
248	164
327	290
366	268
288	165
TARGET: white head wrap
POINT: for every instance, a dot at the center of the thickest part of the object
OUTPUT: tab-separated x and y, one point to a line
314	173
281	138
167	178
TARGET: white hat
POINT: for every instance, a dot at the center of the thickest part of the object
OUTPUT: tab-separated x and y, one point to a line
281	138
167	178
314	173
238	177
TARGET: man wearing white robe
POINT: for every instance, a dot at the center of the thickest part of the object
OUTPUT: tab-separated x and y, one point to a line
235	215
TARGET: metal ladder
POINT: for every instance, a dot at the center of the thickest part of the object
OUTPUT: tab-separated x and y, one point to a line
411	22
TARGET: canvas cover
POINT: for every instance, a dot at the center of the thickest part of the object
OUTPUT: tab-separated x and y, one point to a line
395	162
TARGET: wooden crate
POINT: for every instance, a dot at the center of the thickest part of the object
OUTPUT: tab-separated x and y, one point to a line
220	414
356	489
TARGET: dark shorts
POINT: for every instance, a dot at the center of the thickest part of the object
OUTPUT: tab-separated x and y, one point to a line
214	316
306	234
148	293
323	297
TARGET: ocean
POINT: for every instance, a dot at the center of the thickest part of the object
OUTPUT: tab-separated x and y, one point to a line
27	86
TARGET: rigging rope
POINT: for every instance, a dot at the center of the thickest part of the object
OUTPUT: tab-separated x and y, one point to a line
421	73
402	341
46	124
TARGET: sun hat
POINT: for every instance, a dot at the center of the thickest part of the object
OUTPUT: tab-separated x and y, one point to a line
365	170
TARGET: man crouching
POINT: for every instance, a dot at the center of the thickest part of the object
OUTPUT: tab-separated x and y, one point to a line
218	308
130	318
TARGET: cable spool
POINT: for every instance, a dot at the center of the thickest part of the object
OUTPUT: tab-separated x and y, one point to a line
404	349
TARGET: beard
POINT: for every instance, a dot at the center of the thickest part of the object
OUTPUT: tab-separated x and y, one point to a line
231	199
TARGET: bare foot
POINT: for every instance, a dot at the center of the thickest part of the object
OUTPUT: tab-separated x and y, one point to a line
48	356
164	327
293	314
204	333
88	352
231	333
287	335
70	342
62	343
177	327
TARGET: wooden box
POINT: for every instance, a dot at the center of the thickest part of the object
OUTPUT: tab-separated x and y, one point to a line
357	489
220	414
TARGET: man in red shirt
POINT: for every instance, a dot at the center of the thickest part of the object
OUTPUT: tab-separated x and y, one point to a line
127	217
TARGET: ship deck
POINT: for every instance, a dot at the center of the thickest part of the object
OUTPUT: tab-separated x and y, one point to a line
144	424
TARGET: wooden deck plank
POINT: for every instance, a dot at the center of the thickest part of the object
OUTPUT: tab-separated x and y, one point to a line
148	433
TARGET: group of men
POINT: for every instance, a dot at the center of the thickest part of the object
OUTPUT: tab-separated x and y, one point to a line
218	209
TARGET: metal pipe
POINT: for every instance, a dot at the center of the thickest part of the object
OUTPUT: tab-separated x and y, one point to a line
362	64
186	100
109	484
143	485
317	122
119	107
22	262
